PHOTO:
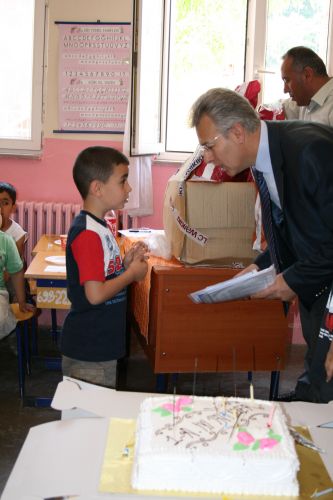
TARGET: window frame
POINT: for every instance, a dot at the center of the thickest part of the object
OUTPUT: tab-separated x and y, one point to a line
254	68
32	147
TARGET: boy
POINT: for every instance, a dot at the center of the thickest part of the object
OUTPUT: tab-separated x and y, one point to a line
8	207
11	261
93	335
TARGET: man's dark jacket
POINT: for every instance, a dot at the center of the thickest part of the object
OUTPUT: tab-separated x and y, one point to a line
302	160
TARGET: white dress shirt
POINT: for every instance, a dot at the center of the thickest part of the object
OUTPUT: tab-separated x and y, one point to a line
320	108
264	164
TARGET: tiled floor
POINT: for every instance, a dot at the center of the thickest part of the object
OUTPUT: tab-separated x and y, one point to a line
16	419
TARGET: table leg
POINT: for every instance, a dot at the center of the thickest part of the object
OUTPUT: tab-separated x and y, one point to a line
274	387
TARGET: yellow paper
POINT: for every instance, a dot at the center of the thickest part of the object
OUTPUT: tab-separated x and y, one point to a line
118	456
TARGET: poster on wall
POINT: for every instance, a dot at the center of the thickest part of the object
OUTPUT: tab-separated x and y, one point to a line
94	77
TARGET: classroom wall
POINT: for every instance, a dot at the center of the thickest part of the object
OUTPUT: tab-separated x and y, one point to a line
49	178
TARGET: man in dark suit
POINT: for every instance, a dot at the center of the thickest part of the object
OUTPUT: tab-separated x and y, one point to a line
295	159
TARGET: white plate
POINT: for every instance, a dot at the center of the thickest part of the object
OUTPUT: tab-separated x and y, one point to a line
57	242
56	259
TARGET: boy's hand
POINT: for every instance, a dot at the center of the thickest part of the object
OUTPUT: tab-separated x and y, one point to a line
25	307
138	267
138	250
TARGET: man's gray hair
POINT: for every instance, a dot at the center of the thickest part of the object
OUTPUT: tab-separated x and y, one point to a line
226	108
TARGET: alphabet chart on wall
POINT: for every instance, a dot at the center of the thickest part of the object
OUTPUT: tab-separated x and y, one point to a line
94	76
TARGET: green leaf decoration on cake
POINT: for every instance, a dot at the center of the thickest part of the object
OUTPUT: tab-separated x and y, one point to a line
256	445
240	447
175	407
272	435
163	412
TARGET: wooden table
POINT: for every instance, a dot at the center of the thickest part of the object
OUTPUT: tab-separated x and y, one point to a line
240	335
46	243
51	286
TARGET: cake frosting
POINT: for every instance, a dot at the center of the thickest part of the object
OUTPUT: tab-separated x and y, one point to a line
214	445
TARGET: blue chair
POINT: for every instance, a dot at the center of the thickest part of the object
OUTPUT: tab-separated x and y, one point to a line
23	329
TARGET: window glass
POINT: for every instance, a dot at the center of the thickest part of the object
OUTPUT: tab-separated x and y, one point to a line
291	23
16	33
206	49
21	85
147	75
210	43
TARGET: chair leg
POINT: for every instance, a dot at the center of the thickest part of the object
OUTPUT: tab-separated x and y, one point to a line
34	345
26	346
21	374
161	382
54	327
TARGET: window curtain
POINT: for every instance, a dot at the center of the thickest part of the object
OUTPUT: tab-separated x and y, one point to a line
140	178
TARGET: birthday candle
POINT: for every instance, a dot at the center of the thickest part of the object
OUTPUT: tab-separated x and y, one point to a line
174	405
270	416
223	404
195	375
251	391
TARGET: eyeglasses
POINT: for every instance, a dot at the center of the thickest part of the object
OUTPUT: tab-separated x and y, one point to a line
210	144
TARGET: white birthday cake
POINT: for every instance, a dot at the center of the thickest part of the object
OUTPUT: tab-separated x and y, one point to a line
214	445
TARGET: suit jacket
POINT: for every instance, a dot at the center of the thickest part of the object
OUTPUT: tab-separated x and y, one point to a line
302	161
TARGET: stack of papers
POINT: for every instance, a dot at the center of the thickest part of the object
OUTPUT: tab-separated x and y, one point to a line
236	288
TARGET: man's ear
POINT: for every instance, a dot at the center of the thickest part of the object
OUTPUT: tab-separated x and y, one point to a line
308	73
237	133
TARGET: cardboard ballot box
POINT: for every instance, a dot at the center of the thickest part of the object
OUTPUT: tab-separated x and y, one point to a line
209	222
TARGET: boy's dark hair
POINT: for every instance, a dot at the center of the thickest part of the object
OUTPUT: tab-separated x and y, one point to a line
95	163
303	56
8	188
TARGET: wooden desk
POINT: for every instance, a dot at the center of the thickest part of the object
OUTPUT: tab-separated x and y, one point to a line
46	243
51	286
242	335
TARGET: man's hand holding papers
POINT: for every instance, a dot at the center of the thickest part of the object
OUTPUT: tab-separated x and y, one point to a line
243	285
278	290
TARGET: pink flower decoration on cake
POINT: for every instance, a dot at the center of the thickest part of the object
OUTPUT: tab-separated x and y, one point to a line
245	438
267	443
179	404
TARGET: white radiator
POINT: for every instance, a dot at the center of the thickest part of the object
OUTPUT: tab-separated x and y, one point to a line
38	218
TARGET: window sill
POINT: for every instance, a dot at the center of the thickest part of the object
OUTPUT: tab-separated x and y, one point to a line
169	157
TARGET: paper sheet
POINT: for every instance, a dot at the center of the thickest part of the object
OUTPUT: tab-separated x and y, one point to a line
235	288
55	269
140	232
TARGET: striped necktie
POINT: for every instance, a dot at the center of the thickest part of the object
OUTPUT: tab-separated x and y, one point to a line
267	218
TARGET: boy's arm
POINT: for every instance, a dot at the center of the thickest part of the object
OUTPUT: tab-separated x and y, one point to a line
89	256
20	246
18	283
98	292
